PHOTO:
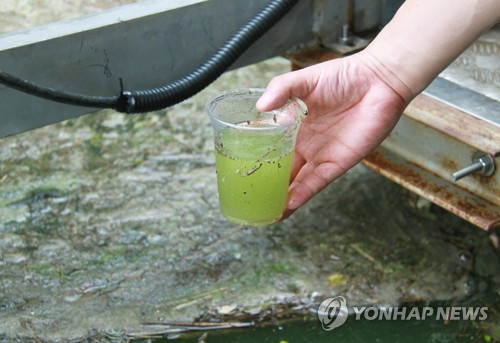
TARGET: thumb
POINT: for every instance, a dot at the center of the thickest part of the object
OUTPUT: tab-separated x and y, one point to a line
273	97
268	102
281	88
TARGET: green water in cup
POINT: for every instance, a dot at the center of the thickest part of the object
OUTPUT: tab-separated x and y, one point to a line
253	186
254	155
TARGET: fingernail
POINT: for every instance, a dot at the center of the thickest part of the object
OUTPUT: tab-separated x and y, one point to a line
263	102
291	202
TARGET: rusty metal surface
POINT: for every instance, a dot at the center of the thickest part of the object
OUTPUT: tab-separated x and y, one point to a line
442	140
479	212
466	100
453	122
431	141
308	57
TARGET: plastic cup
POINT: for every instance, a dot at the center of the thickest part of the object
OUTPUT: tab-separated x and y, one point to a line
253	153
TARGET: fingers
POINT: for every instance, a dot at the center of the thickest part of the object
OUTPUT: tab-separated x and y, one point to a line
298	162
271	100
282	87
300	192
288	212
307	181
296	198
310	181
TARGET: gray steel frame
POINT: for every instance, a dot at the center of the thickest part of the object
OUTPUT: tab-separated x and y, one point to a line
146	44
151	43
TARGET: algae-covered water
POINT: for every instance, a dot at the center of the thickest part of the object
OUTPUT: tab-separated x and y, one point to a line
109	223
358	332
306	331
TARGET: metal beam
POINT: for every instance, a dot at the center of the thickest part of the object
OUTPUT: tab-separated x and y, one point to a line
476	210
467	100
432	140
443	139
146	44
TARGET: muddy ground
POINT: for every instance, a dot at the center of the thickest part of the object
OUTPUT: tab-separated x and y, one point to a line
109	221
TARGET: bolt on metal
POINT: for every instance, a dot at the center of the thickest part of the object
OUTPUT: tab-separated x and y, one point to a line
345	37
482	164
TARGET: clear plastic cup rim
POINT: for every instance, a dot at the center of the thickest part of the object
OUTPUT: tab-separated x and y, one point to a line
260	91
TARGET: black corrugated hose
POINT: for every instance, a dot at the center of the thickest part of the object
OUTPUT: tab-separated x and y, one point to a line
172	93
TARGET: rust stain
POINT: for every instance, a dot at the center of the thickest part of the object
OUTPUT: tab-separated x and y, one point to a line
466	208
448	164
455	123
309	57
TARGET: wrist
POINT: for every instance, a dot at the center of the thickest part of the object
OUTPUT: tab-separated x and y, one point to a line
387	73
424	37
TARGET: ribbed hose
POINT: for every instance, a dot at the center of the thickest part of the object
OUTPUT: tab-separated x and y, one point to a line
211	69
58	96
179	90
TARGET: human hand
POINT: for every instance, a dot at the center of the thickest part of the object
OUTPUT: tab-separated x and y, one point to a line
351	109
